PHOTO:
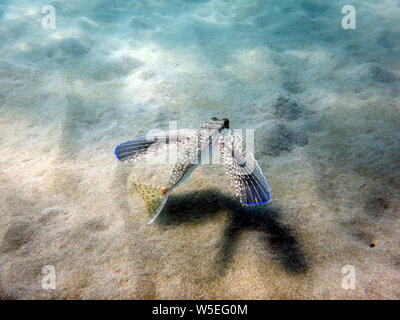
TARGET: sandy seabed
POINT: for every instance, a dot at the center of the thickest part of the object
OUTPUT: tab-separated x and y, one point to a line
324	103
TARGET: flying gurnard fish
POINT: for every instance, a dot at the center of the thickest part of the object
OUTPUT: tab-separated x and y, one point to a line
246	176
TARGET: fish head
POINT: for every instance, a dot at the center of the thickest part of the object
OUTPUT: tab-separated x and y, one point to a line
216	123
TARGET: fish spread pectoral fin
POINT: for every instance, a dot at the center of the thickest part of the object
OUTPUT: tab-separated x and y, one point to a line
154	198
245	173
134	149
144	146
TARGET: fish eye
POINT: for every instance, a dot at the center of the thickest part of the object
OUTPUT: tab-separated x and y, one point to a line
226	123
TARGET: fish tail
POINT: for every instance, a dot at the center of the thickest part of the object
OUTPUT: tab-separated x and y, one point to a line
154	198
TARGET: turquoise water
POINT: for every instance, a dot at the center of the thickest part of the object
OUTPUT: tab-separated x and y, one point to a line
324	104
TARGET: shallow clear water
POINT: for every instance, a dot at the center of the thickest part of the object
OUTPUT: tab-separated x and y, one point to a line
324	104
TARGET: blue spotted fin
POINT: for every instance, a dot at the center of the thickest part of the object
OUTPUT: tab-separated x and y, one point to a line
149	145
246	175
154	198
133	149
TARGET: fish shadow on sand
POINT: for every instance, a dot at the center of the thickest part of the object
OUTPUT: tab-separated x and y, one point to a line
197	207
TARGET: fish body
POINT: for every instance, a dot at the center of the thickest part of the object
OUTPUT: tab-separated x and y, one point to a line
193	147
246	176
